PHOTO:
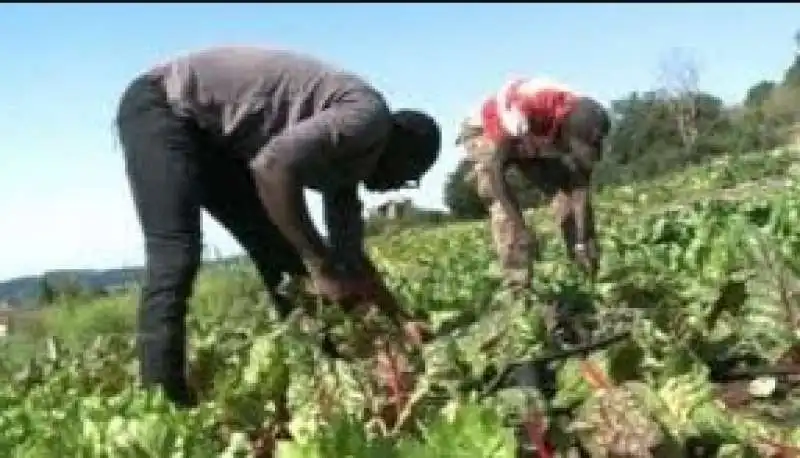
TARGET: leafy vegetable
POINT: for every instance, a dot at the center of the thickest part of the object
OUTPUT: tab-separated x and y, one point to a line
703	275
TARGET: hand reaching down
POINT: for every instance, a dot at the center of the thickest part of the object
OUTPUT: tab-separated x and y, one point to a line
586	256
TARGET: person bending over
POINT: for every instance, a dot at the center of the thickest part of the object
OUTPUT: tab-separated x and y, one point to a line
240	132
554	136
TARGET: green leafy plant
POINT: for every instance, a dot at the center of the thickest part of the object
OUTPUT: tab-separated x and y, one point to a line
703	276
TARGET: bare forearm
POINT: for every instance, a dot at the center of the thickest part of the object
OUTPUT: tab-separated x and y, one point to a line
585	245
583	215
511	239
565	219
345	227
496	190
383	296
346	234
282	197
580	163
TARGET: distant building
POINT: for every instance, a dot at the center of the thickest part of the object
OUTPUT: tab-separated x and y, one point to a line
794	134
393	209
11	317
5	319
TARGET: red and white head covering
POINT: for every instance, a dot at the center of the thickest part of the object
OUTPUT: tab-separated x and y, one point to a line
508	111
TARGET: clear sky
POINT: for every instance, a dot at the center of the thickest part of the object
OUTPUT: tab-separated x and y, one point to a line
64	201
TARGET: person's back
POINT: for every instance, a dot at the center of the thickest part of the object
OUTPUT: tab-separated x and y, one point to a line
239	91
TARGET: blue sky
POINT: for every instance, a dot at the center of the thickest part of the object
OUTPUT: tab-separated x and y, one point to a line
64	202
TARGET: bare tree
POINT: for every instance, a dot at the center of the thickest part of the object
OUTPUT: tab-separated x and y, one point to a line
679	79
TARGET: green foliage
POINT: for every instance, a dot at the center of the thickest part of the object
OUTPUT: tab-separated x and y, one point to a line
647	139
47	294
464	203
460	196
792	76
413	216
758	94
59	289
701	266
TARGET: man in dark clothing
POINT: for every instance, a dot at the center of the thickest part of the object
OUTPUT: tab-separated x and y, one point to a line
241	132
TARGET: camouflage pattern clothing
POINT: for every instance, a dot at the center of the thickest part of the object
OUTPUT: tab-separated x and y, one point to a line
510	237
555	152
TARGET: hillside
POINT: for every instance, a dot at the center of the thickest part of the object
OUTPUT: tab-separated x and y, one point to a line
24	289
699	266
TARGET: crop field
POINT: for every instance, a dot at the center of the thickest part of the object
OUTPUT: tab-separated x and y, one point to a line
700	269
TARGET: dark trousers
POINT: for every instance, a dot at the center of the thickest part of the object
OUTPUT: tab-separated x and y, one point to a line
175	170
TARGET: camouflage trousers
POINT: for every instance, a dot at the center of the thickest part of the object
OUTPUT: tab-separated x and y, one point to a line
514	247
512	240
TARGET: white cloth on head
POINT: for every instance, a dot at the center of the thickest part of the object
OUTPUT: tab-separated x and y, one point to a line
513	121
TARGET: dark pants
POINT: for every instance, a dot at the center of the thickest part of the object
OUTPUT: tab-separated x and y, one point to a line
175	170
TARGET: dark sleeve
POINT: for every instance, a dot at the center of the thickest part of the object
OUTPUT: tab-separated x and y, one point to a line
334	148
311	154
342	212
